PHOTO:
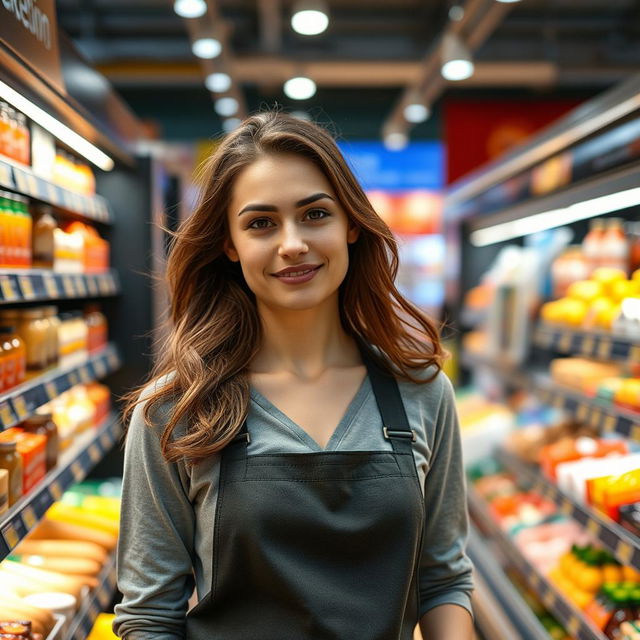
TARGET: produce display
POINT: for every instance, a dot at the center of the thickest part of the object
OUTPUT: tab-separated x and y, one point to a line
61	558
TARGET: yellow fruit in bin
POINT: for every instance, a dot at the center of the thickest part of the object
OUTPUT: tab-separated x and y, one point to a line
574	312
582	598
613	573
548	311
605	318
589	579
566	562
629	574
606	276
598	305
625	289
635	276
585	290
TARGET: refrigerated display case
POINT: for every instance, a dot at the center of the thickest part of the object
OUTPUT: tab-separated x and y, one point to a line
547	331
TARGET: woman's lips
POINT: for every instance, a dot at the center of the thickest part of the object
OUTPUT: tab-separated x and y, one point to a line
297	277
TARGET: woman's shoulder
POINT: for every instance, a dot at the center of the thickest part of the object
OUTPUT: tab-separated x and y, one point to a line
158	415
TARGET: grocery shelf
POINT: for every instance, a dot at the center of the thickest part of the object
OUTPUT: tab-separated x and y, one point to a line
22	180
605	417
72	467
500	611
564	611
97	602
622	544
39	285
22	401
590	344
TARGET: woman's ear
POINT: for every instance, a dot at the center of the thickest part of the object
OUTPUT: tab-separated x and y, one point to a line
230	251
354	233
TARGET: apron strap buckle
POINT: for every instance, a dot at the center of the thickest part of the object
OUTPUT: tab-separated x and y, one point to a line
390	433
241	437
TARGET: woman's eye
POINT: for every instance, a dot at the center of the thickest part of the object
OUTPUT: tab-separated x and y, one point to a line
259	223
317	214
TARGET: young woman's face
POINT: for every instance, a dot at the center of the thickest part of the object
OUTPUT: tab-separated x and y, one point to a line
289	232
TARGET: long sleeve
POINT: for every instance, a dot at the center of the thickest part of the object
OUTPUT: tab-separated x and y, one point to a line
156	544
445	570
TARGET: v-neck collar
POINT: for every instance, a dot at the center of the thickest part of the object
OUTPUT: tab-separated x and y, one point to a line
341	428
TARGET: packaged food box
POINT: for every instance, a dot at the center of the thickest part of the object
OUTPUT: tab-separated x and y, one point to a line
32	448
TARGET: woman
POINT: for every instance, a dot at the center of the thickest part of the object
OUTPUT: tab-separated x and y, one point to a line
297	454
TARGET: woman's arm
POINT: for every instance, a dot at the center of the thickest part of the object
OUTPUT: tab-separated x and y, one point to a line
445	579
155	547
446	622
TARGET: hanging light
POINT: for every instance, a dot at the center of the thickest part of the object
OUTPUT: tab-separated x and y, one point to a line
396	140
416	112
207	48
226	106
218	82
190	8
508	1
310	17
456	59
230	124
300	88
456	13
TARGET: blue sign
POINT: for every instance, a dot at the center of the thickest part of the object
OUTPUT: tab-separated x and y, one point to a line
418	166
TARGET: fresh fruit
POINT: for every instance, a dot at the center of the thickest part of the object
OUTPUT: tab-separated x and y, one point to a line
606	276
585	290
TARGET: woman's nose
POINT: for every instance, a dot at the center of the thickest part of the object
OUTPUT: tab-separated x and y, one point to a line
292	242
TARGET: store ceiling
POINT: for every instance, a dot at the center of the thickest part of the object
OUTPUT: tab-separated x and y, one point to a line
545	46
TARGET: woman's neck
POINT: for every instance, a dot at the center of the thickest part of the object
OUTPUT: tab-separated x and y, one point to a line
303	343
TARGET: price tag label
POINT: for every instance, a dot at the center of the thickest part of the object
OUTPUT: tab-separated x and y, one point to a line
80	286
69	289
100	368
29	518
67	199
84	375
634	354
10	535
105	441
595	417
92	285
52	193
113	360
573	627
20	406
51	286
32	185
624	552
21	180
26	286
6	415
535	581
94	453
587	345
77	471
549	599
604	348
5	175
582	412
8	291
609	424
55	490
72	377
564	344
635	432
593	528
103	285
567	508
52	389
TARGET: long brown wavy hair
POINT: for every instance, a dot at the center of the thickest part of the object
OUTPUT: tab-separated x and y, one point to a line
215	330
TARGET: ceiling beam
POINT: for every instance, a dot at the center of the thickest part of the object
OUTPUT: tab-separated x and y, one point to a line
270	12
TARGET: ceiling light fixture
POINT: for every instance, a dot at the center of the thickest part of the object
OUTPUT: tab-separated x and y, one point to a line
206	48
218	82
456	13
457	63
56	128
508	1
190	8
416	112
396	141
226	106
299	88
310	17
556	217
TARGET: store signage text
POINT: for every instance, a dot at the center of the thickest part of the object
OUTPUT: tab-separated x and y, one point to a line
30	15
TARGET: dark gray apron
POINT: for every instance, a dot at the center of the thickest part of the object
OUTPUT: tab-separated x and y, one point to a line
317	546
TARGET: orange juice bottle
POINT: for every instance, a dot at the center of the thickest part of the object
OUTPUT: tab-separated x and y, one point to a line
14	234
4	206
27	227
10	356
615	246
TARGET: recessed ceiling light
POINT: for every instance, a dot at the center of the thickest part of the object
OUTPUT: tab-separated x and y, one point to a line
396	141
190	8
218	82
416	112
206	48
300	88
226	106
310	17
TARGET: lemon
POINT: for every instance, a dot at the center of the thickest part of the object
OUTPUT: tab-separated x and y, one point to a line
606	276
585	290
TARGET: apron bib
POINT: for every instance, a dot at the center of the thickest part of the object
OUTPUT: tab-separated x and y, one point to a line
317	546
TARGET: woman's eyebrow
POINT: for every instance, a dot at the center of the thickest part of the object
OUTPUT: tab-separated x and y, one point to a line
300	203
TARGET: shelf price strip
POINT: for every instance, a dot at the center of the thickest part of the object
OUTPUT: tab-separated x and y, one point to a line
626	548
55	483
569	616
587	344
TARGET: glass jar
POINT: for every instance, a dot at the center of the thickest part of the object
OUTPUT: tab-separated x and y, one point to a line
51	314
42	423
11	460
4	491
13	356
34	330
43	245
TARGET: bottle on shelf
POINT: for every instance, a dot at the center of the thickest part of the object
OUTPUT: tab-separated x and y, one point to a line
43	424
51	314
34	330
11	460
13	356
43	243
615	246
4	491
592	245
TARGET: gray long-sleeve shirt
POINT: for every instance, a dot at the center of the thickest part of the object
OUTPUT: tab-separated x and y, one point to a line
168	509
